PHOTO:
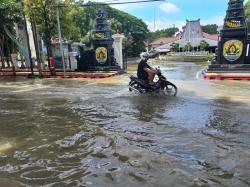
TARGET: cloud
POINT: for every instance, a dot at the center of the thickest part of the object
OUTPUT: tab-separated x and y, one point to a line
218	20
164	24
128	7
169	8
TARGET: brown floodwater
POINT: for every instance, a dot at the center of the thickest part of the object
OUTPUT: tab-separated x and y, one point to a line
82	132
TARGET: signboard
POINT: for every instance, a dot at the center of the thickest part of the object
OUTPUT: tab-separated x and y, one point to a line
232	50
101	54
233	24
99	35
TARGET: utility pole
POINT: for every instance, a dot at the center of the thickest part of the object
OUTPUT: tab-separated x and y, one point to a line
154	18
60	36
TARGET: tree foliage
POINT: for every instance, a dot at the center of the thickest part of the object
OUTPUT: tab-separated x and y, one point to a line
188	47
247	14
134	29
77	22
175	47
204	45
10	13
165	33
210	28
43	13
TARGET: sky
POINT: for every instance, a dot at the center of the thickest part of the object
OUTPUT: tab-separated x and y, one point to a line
169	13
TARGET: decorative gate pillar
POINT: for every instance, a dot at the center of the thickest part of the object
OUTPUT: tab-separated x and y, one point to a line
117	45
233	47
104	52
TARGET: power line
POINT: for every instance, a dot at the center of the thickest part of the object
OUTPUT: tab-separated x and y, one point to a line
132	2
114	3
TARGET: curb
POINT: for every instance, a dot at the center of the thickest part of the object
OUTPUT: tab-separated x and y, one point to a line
227	77
69	75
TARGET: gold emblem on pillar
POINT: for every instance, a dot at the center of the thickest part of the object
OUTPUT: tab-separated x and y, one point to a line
232	50
101	54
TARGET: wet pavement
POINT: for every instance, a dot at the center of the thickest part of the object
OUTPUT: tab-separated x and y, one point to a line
83	132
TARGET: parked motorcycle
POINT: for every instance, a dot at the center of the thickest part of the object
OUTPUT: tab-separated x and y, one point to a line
161	86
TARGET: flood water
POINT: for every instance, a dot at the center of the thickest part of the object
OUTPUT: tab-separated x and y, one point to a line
84	132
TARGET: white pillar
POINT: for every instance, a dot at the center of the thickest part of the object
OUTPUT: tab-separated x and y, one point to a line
117	45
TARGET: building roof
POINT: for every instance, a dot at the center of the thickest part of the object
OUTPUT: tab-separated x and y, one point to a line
161	41
192	30
211	36
192	33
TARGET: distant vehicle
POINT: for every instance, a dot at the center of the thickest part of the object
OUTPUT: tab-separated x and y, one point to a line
153	53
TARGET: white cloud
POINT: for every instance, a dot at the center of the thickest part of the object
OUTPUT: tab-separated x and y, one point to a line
218	20
169	8
164	24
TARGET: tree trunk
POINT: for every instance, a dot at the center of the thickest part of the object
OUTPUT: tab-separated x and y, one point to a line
1	58
22	62
48	38
7	53
38	57
11	61
1	52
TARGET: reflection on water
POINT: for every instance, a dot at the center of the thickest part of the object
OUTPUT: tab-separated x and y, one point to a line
4	146
96	133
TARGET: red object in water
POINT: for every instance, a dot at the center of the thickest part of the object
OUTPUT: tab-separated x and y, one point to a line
52	62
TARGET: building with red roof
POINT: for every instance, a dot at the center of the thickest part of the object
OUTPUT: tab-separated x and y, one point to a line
192	34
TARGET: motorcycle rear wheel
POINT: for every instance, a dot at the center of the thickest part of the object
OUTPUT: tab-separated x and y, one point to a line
134	86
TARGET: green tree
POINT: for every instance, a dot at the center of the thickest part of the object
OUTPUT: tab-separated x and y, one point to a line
43	13
175	47
247	14
9	15
119	22
165	33
204	45
115	25
188	47
210	28
130	25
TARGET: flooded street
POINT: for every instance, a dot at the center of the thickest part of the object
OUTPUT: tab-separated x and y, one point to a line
82	132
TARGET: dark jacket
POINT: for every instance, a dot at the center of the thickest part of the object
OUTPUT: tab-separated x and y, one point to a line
141	73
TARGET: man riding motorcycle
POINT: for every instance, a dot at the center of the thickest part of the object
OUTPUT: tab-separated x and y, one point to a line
143	83
144	71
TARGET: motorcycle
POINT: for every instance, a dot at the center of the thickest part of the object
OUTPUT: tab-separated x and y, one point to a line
162	85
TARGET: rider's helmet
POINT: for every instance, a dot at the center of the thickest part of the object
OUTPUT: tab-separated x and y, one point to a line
144	56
